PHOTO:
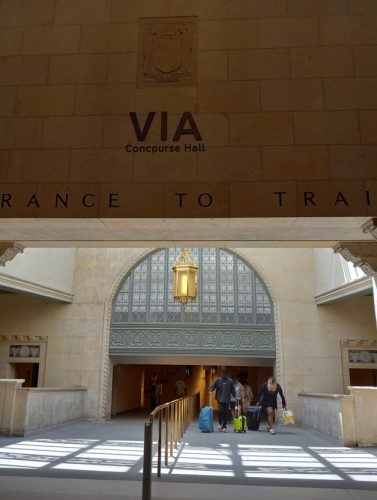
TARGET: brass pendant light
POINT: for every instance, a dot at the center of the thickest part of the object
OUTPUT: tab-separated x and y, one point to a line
185	278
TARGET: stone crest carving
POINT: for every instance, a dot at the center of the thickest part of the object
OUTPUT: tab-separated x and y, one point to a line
191	339
167	51
173	340
209	339
155	339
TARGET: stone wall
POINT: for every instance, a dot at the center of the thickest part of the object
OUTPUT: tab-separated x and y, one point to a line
365	414
349	419
308	336
283	93
75	332
42	271
24	410
330	414
39	408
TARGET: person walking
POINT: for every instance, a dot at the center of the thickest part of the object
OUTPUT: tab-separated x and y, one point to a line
246	395
153	383
224	388
268	399
180	388
158	392
235	402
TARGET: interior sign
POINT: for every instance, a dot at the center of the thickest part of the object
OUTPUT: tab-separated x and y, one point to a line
186	127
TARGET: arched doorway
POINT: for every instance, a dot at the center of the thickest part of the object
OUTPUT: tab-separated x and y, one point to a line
231	322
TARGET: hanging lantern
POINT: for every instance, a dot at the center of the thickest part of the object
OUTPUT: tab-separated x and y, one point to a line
185	278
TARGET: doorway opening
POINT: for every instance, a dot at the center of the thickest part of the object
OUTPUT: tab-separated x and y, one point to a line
364	377
133	384
27	371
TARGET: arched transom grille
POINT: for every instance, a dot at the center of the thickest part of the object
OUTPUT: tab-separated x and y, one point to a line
229	292
232	314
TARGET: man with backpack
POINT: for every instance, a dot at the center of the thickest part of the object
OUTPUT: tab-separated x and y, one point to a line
225	389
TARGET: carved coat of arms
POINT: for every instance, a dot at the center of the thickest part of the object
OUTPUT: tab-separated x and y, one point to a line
167	51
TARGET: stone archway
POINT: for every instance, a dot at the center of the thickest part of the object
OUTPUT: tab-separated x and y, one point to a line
106	366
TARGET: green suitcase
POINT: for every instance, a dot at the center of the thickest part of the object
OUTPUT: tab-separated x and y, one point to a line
239	424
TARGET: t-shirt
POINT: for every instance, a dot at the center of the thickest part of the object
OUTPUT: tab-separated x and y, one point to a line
238	387
180	388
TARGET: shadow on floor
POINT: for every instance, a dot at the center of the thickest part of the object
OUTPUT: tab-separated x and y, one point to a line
114	450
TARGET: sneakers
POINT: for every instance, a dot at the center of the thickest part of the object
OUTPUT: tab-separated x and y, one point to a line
272	431
225	429
220	427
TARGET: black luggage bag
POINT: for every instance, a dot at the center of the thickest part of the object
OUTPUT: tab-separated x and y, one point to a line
253	417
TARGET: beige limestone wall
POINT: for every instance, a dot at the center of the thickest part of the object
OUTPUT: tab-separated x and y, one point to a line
285	100
350	419
45	269
333	415
38	408
308	336
365	413
75	332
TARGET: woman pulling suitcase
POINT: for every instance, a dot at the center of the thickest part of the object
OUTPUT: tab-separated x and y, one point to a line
268	399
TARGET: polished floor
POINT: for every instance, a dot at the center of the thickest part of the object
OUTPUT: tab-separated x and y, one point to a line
104	460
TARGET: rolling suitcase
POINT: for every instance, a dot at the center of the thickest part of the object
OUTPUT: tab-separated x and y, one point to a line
253	417
239	422
206	418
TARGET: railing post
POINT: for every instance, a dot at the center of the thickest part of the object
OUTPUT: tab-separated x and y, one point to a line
175	425
147	464
185	414
177	414
166	435
159	444
182	416
171	429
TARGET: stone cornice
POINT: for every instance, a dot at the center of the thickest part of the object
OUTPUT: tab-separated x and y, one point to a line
361	254
24	338
359	343
362	286
19	285
8	251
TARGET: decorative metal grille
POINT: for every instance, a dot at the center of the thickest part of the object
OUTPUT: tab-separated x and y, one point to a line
229	291
233	311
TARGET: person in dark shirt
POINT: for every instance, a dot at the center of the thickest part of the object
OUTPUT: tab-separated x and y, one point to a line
225	389
153	383
268	399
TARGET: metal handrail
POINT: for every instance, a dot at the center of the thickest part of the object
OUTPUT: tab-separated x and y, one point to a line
178	415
